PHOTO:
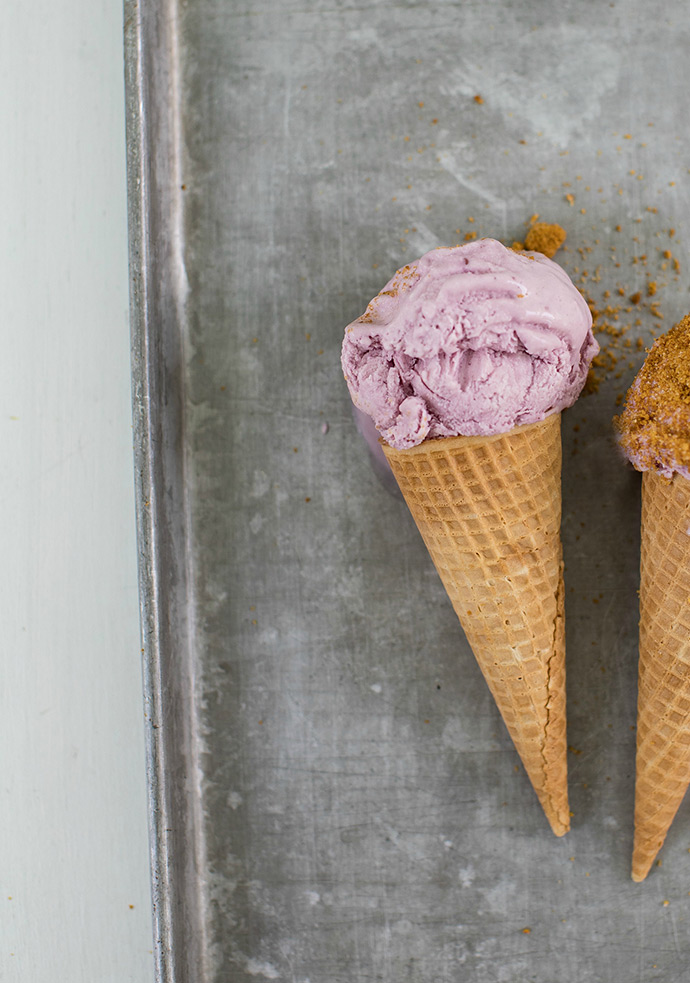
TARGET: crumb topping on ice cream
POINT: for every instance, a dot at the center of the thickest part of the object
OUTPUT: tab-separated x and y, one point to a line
654	427
474	340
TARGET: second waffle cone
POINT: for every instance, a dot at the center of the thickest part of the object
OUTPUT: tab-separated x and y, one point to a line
663	701
489	511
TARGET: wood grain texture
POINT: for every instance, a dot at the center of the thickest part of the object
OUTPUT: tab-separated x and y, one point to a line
74	885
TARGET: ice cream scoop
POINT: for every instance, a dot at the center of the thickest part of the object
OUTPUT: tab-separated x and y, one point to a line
473	340
654	428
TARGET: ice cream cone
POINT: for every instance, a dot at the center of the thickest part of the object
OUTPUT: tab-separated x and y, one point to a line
663	704
489	511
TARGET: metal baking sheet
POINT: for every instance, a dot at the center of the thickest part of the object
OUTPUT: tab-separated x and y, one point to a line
333	795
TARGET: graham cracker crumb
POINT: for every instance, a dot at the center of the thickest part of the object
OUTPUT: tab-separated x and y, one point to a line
655	424
545	238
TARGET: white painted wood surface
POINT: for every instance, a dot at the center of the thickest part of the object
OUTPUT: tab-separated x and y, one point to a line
74	889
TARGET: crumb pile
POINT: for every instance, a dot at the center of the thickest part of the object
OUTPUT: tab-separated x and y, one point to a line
545	238
654	428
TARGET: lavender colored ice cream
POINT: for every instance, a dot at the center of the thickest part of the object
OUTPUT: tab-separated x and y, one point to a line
473	339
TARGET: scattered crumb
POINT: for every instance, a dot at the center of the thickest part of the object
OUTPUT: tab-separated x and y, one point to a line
545	238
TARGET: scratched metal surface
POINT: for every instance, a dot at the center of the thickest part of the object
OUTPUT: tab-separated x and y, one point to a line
334	797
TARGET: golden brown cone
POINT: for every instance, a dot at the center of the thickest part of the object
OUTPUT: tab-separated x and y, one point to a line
663	700
489	511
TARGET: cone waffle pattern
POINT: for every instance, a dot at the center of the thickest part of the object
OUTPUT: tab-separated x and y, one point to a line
489	511
663	702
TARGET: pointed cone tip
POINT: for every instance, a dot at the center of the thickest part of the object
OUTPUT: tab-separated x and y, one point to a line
640	868
558	828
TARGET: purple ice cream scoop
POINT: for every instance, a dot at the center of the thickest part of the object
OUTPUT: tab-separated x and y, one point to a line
473	339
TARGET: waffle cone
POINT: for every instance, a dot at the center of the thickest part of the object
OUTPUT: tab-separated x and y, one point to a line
663	701
489	511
